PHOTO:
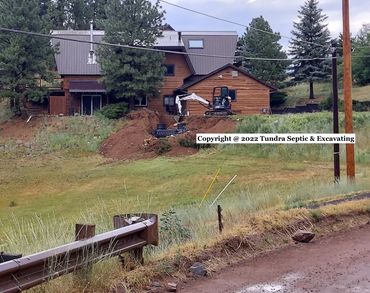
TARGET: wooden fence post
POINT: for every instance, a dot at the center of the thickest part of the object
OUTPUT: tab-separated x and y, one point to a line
83	232
220	224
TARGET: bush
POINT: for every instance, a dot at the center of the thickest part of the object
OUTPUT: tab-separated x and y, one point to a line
359	106
188	141
114	111
327	104
172	230
277	99
163	146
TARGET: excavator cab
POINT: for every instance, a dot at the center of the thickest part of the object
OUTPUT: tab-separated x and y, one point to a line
221	98
220	102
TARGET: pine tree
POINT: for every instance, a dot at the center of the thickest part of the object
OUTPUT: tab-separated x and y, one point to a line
24	59
258	44
361	64
132	73
311	39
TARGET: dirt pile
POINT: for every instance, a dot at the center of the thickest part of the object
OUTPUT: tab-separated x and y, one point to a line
135	141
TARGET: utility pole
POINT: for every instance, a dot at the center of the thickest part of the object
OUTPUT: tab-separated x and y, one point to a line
335	112
347	88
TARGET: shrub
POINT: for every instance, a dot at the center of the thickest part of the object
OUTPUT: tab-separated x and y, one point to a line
189	141
163	146
327	104
277	99
114	111
172	230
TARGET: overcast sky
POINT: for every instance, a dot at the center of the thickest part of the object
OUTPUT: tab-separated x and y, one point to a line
279	13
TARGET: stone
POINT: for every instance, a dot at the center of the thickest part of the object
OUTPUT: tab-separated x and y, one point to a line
171	287
198	269
156	284
303	236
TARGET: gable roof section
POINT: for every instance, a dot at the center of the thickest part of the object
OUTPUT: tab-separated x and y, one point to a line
204	77
214	43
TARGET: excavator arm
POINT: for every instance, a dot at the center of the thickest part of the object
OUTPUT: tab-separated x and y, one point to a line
191	97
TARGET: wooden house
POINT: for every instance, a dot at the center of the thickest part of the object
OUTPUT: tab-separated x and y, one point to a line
82	91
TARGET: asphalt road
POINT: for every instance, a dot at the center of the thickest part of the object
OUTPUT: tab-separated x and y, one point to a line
339	263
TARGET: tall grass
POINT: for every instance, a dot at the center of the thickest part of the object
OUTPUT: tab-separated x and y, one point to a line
74	135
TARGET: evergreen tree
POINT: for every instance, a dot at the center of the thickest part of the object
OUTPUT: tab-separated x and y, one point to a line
311	39
361	62
132	73
258	44
24	59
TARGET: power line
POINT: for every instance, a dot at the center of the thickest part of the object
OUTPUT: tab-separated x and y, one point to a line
238	24
154	49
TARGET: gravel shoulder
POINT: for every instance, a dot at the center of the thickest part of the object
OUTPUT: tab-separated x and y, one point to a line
337	263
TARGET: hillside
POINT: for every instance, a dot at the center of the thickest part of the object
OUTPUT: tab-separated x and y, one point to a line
57	178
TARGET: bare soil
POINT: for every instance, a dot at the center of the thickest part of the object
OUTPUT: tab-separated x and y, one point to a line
134	140
338	263
19	129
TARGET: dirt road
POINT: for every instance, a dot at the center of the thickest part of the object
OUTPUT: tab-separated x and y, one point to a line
340	263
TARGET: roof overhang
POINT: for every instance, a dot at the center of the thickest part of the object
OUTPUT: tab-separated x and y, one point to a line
86	86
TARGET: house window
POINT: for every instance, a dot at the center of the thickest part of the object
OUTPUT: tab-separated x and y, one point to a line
90	104
196	44
169	100
170	70
141	102
232	95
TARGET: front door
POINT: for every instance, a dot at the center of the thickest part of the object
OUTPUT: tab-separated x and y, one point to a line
90	104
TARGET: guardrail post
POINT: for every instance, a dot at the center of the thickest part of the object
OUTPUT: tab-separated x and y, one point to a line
83	232
136	256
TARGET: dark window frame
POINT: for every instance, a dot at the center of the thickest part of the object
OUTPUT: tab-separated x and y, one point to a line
235	95
173	70
196	47
141	104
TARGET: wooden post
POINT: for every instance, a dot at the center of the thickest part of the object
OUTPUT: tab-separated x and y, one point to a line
220	224
137	255
347	88
335	113
83	232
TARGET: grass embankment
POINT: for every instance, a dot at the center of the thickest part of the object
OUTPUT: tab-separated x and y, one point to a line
298	94
48	188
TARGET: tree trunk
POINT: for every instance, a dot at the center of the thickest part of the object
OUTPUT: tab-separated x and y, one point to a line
312	95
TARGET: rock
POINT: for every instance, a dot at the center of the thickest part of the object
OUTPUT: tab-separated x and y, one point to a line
198	269
171	287
303	236
156	284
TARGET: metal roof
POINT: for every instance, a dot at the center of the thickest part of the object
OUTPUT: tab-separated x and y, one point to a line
214	43
72	58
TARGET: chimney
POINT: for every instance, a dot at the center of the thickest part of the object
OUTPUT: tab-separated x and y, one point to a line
180	37
92	58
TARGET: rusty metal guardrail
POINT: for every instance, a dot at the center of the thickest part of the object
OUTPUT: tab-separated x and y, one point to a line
26	272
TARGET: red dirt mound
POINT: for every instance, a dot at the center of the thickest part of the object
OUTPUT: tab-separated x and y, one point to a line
134	141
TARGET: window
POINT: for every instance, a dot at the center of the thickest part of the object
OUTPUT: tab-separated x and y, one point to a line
232	95
170	70
90	104
169	100
141	102
196	44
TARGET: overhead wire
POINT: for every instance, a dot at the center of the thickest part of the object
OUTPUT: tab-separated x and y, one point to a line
155	49
238	24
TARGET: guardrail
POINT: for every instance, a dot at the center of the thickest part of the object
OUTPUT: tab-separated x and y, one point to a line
131	235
